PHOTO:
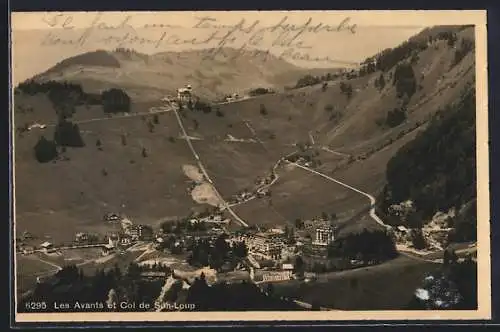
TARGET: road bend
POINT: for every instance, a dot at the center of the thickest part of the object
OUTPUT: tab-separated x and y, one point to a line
373	215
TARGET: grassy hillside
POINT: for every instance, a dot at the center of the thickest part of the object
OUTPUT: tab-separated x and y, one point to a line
237	142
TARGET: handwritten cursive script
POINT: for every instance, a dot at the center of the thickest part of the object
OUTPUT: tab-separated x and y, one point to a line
284	38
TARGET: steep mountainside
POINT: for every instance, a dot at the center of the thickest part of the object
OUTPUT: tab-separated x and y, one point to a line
437	170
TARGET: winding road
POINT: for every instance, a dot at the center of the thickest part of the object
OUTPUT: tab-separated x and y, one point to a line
373	215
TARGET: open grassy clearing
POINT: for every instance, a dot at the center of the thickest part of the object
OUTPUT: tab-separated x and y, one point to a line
300	194
93	182
234	166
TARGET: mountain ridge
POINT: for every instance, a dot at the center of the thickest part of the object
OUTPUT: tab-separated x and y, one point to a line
210	75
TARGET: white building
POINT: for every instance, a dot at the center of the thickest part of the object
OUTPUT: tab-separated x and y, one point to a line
107	249
46	246
324	235
185	94
262	245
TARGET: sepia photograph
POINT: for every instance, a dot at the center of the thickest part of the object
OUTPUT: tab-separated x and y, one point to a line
271	165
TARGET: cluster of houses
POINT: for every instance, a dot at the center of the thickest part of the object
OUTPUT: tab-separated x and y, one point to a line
434	232
231	98
242	196
210	219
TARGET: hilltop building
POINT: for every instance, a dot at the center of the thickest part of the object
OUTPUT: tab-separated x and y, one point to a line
185	94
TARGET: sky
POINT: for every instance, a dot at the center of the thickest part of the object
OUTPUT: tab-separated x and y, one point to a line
317	39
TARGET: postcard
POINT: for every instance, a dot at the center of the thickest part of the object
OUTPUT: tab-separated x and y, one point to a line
249	166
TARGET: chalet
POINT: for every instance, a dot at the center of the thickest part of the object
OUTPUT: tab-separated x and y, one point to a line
28	250
81	237
47	247
27	235
125	240
402	229
112	217
107	249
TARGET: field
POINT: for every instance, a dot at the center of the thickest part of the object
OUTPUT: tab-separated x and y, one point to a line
73	194
27	270
388	286
88	260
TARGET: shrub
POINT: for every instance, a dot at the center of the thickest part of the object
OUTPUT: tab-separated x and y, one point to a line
346	89
258	92
404	80
328	108
115	100
45	150
68	134
263	109
395	117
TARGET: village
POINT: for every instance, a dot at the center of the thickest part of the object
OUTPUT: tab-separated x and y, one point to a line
270	254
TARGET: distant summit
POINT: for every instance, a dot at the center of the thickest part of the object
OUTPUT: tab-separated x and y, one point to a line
212	72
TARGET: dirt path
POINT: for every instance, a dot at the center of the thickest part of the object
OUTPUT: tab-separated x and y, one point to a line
203	170
35	257
152	110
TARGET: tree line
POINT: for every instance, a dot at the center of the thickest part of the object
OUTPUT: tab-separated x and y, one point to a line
390	57
215	255
369	247
240	296
71	285
66	96
309	80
